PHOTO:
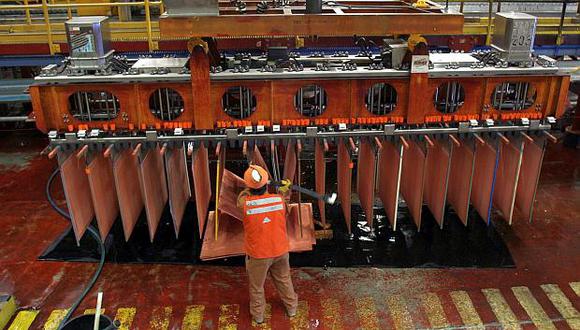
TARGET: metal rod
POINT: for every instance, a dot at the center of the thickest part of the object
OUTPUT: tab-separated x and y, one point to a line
46	17
27	12
149	29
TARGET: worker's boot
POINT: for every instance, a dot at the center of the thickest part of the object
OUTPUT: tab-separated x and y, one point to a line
291	312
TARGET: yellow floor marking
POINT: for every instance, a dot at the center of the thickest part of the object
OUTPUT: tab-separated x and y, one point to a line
501	309
466	310
126	316
193	317
533	308
300	321
563	305
576	287
160	318
434	310
367	313
331	314
267	316
228	319
54	319
399	312
93	311
23	320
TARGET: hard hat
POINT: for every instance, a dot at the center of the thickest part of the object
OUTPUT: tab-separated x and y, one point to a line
255	177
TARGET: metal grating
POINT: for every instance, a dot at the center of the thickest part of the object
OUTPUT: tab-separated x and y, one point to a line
311	100
449	97
381	99
239	102
166	104
513	96
93	106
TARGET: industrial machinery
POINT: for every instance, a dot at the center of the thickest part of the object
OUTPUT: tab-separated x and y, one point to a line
360	91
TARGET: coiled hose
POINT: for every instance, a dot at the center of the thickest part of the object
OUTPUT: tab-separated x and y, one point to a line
94	233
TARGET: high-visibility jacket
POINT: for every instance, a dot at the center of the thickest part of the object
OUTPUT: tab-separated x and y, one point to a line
265	226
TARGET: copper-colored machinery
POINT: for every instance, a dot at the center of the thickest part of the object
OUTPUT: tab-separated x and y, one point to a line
465	130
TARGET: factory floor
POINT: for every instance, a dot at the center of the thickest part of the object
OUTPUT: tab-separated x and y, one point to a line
542	291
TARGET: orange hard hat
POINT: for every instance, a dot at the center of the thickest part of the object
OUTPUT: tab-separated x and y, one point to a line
255	177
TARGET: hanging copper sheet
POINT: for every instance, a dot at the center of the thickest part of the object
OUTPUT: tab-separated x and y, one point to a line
437	167
257	159
230	187
460	179
290	162
230	240
412	180
178	184
202	185
127	186
320	177
529	176
486	159
77	193
508	171
390	169
153	188
344	177
104	196
365	179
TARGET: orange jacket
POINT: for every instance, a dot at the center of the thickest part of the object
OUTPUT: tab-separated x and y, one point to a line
265	226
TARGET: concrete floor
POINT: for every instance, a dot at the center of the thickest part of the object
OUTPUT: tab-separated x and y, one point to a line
543	291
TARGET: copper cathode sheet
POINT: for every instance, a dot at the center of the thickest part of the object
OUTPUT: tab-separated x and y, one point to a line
389	168
128	188
529	175
508	171
344	177
412	180
486	157
153	188
178	184
78	195
290	162
436	178
104	196
320	177
298	242
201	184
257	159
230	187
460	180
365	179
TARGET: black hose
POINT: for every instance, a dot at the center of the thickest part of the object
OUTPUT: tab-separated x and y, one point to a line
93	233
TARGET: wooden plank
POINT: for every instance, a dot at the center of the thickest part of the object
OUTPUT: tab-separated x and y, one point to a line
412	180
390	169
153	188
320	177
178	184
486	160
460	179
532	159
344	177
201	184
508	171
104	196
127	186
437	167
78	195
365	179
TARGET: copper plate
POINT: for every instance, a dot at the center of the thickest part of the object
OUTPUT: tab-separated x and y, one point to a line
365	179
506	181
486	157
389	168
412	180
178	184
104	196
529	176
127	186
231	186
437	167
290	162
256	158
153	188
202	185
77	193
320	177
460	179
344	178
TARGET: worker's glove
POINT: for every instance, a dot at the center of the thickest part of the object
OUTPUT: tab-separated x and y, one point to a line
284	186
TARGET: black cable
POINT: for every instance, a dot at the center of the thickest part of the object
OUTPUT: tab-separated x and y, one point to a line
97	238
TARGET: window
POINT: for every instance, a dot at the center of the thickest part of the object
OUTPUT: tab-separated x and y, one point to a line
93	106
310	100
239	102
449	97
166	104
381	99
513	96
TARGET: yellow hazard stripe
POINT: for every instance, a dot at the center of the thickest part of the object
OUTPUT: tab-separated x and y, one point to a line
367	313
466	310
160	318
300	321
23	320
126	316
331	315
533	308
563	305
576	287
193	317
501	309
228	319
54	319
399	313
434	310
93	311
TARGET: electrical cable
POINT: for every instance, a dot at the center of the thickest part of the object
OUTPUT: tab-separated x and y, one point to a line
97	238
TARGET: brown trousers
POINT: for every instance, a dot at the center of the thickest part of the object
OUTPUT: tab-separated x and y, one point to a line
279	269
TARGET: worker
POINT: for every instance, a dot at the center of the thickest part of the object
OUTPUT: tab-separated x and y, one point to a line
266	241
